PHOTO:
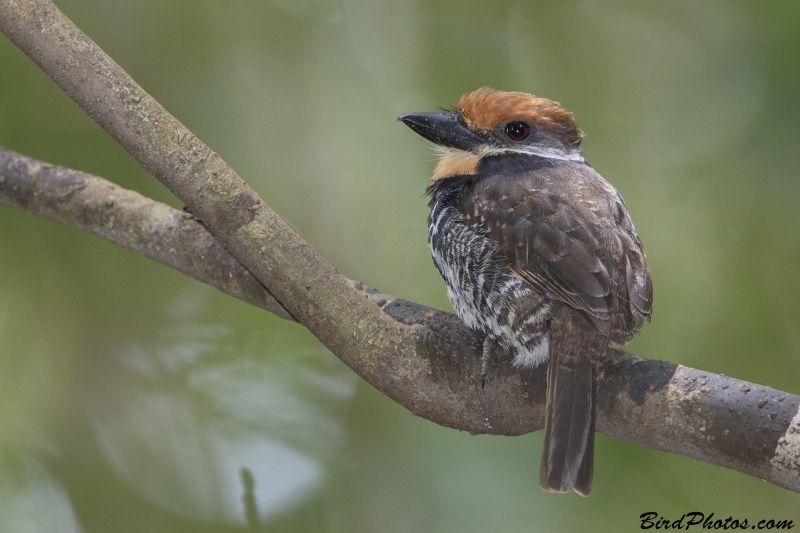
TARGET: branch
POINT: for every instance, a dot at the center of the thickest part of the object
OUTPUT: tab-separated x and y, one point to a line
651	403
424	359
155	230
308	287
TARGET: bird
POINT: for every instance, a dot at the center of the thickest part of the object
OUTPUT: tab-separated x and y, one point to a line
538	252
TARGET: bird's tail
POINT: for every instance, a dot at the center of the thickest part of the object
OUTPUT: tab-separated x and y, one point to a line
576	354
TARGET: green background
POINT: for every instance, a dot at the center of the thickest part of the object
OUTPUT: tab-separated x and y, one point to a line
131	397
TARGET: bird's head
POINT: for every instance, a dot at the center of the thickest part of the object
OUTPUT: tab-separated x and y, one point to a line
488	122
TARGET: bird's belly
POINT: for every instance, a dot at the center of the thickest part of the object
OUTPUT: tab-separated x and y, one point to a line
489	297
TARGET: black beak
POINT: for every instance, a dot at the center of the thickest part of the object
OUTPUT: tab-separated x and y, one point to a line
445	129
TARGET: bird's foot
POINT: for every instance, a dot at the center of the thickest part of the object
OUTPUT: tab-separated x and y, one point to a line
487	352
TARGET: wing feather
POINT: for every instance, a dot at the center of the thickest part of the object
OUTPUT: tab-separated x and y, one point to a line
565	231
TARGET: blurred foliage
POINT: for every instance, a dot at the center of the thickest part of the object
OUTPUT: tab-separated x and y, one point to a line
133	399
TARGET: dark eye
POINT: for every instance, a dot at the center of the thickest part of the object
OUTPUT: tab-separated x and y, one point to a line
517	131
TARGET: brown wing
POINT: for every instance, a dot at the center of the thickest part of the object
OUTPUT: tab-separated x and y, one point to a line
565	230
